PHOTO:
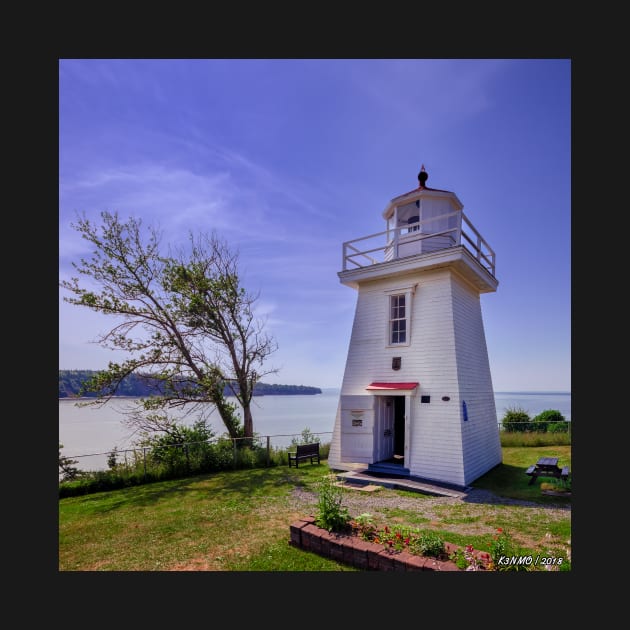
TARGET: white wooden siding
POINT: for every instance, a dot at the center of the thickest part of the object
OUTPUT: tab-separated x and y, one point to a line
480	434
447	355
357	442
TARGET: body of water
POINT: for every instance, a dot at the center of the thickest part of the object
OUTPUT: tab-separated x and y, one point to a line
89	433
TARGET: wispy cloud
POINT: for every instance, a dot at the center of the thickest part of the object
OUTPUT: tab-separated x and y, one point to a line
179	199
172	200
427	94
228	192
297	192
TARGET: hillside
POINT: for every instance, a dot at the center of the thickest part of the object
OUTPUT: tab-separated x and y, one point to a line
70	382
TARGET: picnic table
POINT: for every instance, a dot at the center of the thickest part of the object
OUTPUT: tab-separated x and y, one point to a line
547	467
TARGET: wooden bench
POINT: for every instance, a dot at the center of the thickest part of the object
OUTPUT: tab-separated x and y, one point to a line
304	452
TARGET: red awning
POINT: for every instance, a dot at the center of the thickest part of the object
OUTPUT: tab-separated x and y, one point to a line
392	386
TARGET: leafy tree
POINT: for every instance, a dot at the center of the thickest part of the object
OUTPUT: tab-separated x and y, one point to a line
185	319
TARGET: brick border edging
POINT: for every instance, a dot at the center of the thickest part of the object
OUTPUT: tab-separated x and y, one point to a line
362	554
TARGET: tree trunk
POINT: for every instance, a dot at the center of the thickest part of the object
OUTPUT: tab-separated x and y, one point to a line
227	416
248	421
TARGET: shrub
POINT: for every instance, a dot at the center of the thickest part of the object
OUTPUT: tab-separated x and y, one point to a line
176	447
306	437
428	544
324	450
140	466
331	515
515	420
542	421
550	415
250	457
558	427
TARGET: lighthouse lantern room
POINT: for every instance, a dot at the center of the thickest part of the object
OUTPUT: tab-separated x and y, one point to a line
416	398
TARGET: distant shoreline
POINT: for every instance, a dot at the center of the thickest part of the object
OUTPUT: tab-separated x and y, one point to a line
324	389
535	393
95	398
72	382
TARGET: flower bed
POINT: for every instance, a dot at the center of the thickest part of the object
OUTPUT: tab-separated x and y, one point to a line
369	556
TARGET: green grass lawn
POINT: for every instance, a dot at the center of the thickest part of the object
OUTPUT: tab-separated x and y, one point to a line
226	521
509	479
239	520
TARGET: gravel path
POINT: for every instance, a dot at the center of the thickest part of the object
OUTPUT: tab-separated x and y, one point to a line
479	512
362	501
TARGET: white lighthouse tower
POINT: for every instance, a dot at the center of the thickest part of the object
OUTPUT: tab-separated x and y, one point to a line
417	397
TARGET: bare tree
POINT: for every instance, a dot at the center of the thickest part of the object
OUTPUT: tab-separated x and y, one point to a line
185	321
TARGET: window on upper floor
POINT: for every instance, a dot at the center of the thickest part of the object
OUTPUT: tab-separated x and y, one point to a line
397	319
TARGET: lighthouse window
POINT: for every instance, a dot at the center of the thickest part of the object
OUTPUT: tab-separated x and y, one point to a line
397	319
411	221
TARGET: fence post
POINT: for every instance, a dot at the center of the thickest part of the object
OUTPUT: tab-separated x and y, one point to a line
187	457
144	461
234	442
268	446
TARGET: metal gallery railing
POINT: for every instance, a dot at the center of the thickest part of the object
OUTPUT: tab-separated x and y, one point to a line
389	244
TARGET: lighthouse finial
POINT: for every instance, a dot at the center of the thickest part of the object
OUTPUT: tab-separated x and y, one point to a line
422	176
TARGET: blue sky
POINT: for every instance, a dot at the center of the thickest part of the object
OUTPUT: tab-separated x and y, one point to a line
287	159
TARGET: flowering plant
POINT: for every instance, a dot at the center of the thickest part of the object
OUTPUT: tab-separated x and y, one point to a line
364	526
469	561
398	538
473	564
395	539
502	547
